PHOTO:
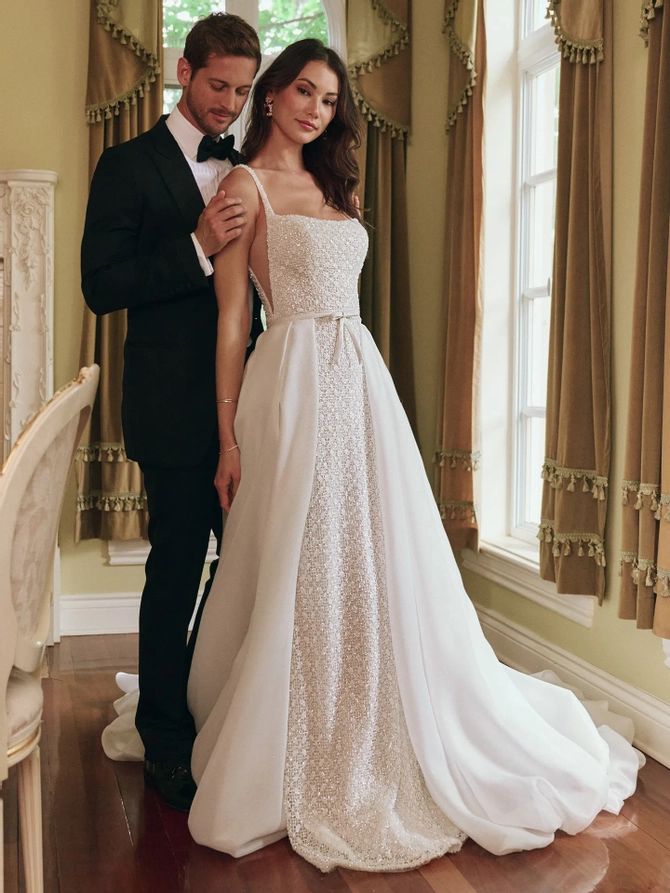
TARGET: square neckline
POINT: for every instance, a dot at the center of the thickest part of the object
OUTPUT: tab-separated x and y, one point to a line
267	206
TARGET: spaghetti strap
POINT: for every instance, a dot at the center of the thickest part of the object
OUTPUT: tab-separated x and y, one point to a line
254	176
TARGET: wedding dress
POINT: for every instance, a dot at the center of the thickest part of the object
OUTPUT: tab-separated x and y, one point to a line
342	689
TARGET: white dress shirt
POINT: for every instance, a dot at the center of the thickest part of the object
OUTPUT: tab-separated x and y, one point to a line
208	174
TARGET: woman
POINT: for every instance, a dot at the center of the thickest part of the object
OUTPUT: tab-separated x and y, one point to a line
341	686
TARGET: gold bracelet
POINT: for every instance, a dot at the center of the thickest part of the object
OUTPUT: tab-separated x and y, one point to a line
229	449
227	400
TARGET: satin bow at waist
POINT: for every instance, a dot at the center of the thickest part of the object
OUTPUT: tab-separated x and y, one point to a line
343	318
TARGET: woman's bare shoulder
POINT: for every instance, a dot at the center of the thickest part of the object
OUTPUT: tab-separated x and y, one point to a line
239	184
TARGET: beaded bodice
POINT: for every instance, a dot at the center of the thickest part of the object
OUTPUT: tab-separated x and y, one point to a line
314	263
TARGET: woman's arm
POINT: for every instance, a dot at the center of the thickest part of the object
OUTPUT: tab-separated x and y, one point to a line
231	283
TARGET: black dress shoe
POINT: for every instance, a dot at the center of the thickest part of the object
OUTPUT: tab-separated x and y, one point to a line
173	781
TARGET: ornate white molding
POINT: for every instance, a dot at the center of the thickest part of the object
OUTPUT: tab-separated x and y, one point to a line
26	297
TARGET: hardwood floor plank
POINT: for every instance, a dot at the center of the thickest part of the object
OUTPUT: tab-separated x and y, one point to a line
636	862
649	808
444	877
88	816
104	831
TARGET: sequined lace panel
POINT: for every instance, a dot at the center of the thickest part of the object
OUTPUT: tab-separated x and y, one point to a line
354	793
314	264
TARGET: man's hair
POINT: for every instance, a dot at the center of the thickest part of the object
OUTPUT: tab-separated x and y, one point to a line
220	34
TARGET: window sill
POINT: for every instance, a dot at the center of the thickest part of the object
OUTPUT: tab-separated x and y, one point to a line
514	564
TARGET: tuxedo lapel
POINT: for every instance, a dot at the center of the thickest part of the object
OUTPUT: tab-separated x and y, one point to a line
176	174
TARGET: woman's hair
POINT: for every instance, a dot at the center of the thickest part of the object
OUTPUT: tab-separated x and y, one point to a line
331	157
220	34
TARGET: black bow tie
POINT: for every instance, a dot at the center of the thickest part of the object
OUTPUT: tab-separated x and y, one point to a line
211	148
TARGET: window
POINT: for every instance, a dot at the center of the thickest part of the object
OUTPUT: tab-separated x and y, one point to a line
523	67
538	79
278	22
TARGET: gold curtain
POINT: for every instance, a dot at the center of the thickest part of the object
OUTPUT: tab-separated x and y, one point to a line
577	450
645	558
457	454
380	69
124	99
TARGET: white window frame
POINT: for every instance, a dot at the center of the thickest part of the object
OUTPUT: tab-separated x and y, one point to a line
506	557
537	53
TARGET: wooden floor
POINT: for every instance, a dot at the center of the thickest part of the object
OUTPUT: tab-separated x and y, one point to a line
104	832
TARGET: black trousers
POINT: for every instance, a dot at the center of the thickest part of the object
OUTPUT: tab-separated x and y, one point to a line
183	509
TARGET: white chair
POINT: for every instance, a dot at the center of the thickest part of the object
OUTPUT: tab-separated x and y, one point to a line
32	486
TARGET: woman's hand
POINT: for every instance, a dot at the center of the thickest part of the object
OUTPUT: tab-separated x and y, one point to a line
227	478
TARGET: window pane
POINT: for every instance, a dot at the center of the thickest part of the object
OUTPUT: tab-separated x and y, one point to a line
541	207
544	120
281	22
532	484
171	97
539	310
536	14
179	16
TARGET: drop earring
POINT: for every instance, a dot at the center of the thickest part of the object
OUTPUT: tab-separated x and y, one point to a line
267	107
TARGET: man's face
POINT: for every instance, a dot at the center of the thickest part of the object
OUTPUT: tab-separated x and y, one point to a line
214	96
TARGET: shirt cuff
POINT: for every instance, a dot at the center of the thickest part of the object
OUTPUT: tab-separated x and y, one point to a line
203	260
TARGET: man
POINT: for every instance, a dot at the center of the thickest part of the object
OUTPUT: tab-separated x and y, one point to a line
153	222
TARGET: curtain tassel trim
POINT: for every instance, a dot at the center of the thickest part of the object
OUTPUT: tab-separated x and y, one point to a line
466	58
112	107
401	34
116	502
376	118
564	544
101	452
647	496
468	460
458	510
644	571
397	45
648	13
588	52
557	476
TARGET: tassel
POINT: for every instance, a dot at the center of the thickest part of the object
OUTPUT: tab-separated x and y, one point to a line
571	485
636	575
566	549
580	551
638	501
585	486
649	579
624	496
556	550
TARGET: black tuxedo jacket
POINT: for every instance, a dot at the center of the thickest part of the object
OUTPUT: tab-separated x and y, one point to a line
137	253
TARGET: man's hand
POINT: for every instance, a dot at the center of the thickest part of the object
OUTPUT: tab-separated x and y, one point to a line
220	223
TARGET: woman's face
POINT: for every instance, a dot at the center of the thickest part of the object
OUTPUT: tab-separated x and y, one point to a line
304	109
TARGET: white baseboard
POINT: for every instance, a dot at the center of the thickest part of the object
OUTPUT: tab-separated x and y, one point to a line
520	648
90	615
94	615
